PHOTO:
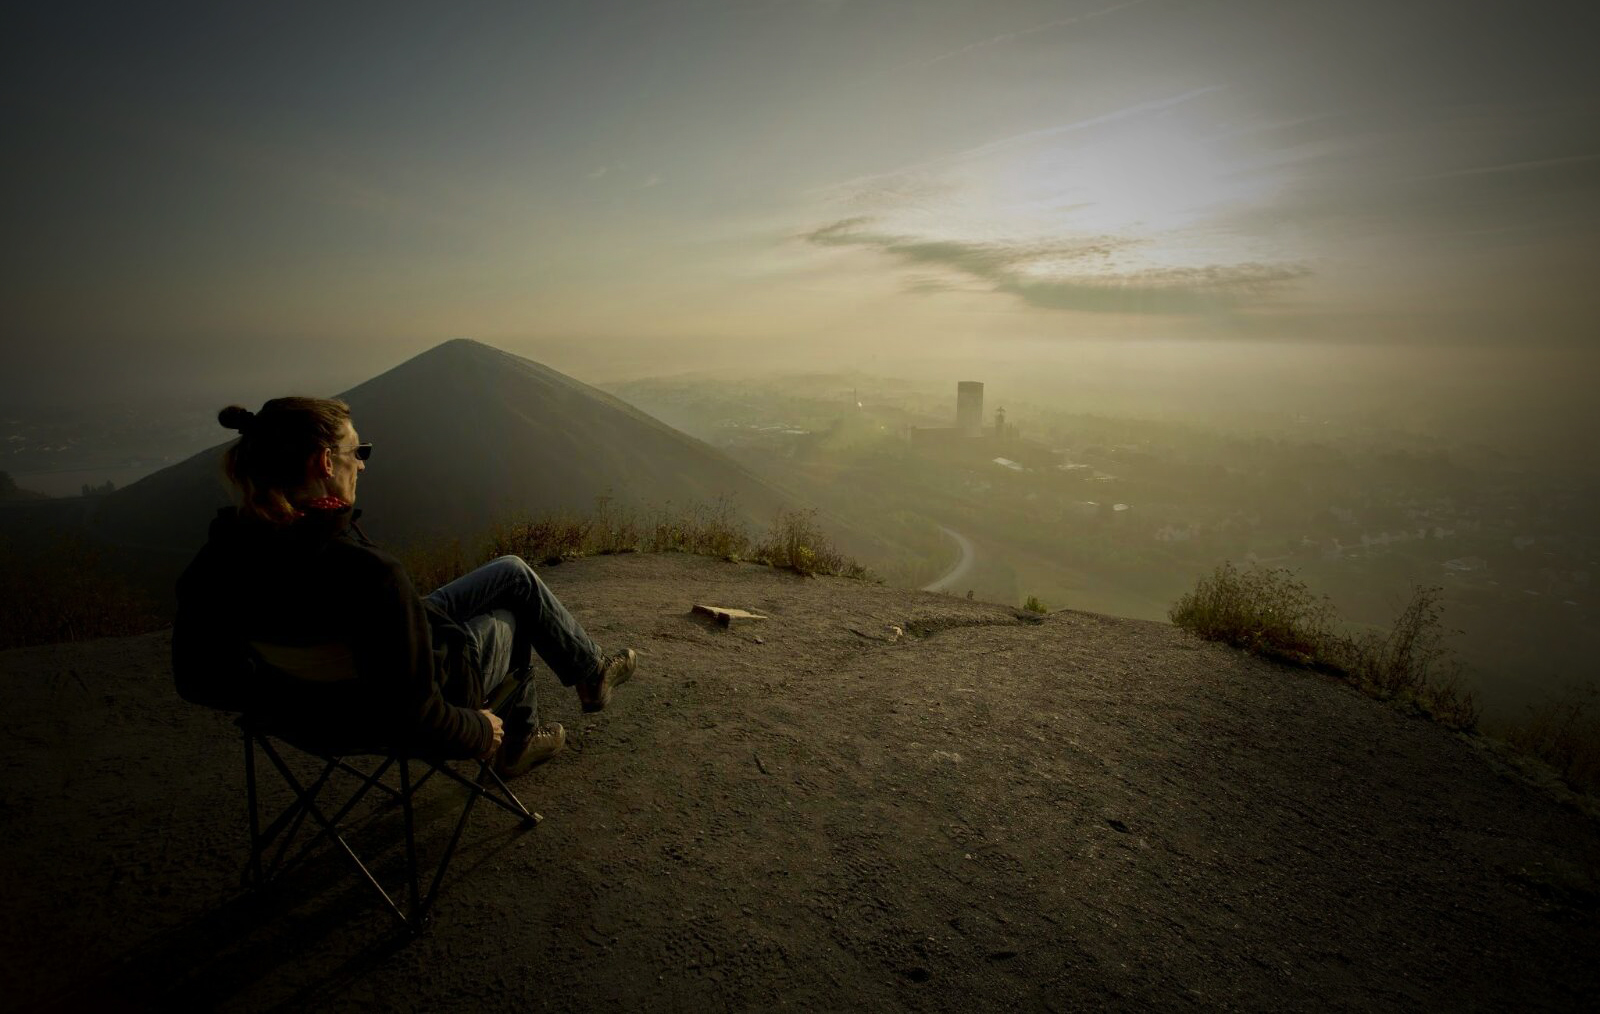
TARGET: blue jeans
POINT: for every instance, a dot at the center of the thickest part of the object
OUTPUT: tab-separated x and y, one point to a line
508	613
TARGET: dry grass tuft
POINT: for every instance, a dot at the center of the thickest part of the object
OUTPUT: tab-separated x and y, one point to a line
68	591
431	564
1565	734
1411	664
1270	612
797	543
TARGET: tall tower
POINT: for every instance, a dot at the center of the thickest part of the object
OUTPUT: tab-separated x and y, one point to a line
969	407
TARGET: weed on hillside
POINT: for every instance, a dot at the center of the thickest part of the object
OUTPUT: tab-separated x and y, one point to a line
708	529
67	591
796	542
1410	663
1565	734
1270	612
1265	611
70	592
432	564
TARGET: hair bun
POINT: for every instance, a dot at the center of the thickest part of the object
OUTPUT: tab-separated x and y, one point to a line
236	417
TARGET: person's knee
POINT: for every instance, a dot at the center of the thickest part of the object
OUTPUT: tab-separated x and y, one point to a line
512	564
516	571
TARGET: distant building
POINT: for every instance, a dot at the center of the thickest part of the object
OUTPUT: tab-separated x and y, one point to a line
969	439
969	407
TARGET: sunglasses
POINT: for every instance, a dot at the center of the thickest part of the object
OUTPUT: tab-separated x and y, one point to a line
361	451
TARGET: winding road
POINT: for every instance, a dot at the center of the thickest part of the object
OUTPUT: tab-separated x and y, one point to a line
961	569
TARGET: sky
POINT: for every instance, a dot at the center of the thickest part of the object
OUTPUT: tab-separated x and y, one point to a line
198	192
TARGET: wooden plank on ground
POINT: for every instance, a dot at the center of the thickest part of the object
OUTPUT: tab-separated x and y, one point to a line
725	615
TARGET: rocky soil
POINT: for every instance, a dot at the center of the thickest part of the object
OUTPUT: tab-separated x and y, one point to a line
811	811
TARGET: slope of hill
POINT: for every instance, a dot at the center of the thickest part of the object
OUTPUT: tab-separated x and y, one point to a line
1080	813
465	434
9	490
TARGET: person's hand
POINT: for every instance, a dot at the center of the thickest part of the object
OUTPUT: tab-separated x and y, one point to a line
499	729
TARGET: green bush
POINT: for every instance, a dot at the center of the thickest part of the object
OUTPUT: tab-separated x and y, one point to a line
1033	605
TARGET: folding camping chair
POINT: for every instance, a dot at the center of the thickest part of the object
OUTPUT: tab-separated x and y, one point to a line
327	663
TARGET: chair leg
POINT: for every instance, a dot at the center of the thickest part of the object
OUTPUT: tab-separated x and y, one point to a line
416	915
368	782
330	829
253	875
294	817
411	837
449	850
505	799
304	796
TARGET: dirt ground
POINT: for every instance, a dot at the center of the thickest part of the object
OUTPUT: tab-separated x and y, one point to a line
1082	813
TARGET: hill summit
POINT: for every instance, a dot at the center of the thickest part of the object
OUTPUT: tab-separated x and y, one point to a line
466	434
874	799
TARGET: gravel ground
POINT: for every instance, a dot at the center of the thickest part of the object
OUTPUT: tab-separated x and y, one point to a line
1080	813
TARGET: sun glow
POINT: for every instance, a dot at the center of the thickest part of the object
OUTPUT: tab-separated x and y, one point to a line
1119	200
1146	180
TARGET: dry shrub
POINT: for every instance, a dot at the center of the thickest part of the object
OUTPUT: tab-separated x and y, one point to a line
1410	663
703	529
1564	733
1266	611
611	530
1270	612
67	590
431	565
796	543
548	539
711	529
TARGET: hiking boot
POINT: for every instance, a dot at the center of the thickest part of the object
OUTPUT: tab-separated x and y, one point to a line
615	669
519	756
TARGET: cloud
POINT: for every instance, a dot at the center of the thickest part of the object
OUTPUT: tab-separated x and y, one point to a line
893	177
1006	37
1078	275
1209	289
1513	167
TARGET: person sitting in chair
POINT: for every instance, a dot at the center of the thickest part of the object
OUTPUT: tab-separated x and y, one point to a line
288	573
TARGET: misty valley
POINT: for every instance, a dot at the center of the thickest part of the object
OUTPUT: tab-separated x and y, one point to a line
1121	515
1106	511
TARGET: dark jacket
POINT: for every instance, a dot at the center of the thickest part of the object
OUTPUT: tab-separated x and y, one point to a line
315	582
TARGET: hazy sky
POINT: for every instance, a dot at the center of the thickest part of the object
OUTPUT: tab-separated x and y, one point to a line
189	187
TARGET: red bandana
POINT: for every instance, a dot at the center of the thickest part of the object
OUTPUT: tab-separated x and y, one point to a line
322	503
